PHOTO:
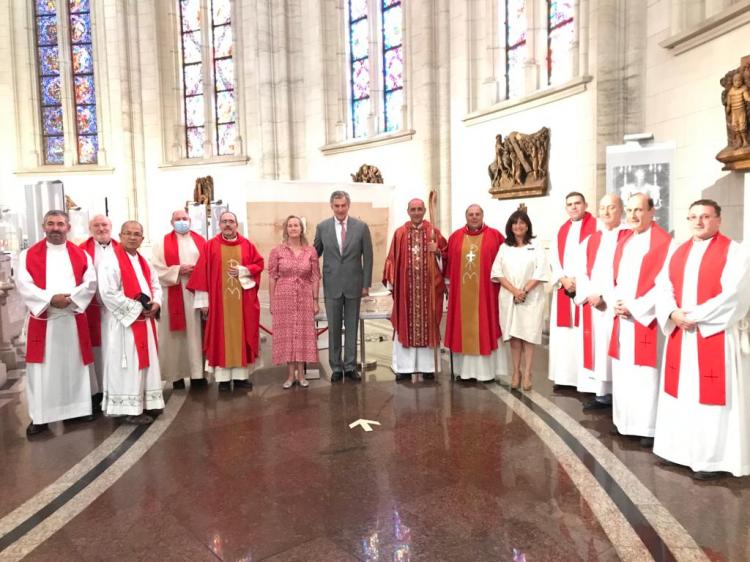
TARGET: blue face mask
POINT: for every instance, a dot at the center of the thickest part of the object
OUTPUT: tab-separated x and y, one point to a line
181	227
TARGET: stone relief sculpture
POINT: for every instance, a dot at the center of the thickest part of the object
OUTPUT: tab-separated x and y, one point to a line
520	165
735	96
367	174
204	191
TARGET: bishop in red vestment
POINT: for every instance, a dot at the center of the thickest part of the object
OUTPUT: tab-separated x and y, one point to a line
226	280
413	274
472	331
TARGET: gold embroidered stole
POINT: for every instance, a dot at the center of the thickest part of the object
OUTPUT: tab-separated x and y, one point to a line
231	292
470	285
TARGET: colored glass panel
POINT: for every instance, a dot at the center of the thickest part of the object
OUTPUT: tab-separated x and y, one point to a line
77	6
47	30
46	7
516	22
80	28
227	133
387	3
195	138
191	47
194	111
394	102
225	107
222	41
49	61
86	119
559	63
193	74
394	69
224	74
221	11
88	145
83	61
51	90
357	9
359	39
361	79
392	22
560	12
84	90
360	114
54	149
52	123
190	15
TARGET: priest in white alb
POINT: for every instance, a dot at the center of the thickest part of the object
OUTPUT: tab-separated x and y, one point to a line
98	246
636	342
181	350
564	345
703	419
129	288
56	280
594	294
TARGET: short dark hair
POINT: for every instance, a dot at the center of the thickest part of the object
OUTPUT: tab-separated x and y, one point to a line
516	216
338	194
649	199
55	213
707	203
575	194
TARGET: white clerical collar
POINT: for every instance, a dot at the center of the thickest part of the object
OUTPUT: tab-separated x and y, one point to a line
57	247
703	242
105	245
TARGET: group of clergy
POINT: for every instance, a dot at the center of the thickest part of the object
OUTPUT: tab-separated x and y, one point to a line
94	342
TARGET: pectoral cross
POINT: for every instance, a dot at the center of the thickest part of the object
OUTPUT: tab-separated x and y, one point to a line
470	256
646	340
711	376
415	249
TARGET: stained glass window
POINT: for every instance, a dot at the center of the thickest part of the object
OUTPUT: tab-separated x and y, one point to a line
82	62
560	37
225	103
359	65
515	47
393	64
192	76
48	60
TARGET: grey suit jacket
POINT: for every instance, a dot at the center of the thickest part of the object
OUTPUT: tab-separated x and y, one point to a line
345	274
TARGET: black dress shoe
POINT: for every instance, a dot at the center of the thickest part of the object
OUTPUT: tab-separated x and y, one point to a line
96	403
337	376
178	384
613	431
428	376
706	475
403	376
558	387
225	386
594	404
36	428
198	383
243	385
353	375
647	442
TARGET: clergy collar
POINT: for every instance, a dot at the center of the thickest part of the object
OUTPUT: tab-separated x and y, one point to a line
236	236
104	244
416	225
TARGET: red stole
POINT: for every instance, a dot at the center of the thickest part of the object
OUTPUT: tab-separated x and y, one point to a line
645	336
489	317
711	362
36	335
588	323
132	290
177	321
93	312
208	276
588	226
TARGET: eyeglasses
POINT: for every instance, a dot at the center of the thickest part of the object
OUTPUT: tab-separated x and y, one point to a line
693	218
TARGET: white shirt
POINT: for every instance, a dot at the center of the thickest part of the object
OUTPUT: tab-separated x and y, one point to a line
338	228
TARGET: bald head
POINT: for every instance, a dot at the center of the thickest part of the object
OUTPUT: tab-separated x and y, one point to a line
474	217
639	211
610	211
180	215
100	228
416	210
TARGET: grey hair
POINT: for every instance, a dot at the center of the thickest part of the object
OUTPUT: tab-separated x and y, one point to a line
338	194
55	213
230	213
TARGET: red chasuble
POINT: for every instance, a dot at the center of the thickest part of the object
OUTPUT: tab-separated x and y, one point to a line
210	275
588	323
488	316
418	285
564	302
132	289
177	322
711	361
93	311
653	261
36	332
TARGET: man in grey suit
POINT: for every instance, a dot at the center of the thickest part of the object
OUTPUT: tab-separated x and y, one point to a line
346	247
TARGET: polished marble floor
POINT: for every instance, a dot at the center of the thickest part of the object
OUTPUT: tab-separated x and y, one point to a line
455	471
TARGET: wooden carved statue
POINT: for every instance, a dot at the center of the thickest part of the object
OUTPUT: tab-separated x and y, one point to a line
520	165
367	174
204	192
735	96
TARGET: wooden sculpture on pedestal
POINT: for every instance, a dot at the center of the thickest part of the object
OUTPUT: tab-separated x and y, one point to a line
520	168
735	96
367	173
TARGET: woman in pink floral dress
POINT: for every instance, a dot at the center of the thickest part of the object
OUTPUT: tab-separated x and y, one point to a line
293	290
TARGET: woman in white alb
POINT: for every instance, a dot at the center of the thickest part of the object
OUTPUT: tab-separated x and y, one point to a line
520	267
